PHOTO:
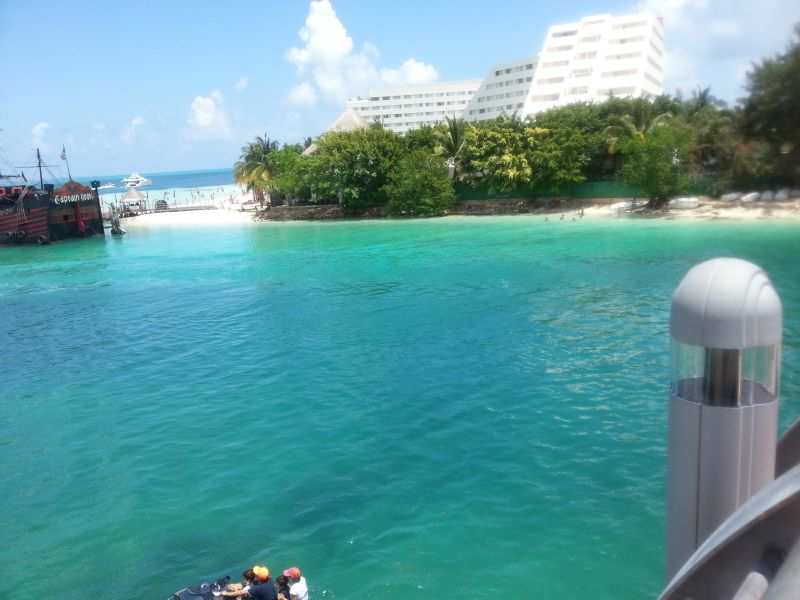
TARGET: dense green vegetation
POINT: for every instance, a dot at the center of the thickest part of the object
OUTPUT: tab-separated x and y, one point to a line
661	146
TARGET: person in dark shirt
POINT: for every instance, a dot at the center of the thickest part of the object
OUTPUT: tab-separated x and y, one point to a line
263	590
282	583
262	587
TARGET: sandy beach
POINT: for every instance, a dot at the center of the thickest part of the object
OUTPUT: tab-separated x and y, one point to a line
707	210
711	209
192	218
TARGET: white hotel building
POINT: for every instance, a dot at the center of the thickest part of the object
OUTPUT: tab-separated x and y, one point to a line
597	57
412	106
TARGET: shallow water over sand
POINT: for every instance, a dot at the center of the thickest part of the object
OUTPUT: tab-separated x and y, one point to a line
462	407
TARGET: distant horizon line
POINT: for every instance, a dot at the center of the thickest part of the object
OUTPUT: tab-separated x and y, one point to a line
179	172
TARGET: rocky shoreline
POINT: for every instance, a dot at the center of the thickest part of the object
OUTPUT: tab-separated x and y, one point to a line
513	206
775	204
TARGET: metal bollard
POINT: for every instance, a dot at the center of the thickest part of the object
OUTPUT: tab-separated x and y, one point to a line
726	326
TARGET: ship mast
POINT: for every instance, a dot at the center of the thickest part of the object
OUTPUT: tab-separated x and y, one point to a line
39	166
39	163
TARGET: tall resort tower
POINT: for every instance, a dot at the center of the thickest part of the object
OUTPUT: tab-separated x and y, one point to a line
598	57
587	61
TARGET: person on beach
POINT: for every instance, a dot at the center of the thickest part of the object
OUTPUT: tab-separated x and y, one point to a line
298	589
262	587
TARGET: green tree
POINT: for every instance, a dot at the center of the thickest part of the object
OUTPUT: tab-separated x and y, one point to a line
253	169
419	186
770	111
287	176
586	119
559	156
622	128
657	162
353	167
495	153
421	138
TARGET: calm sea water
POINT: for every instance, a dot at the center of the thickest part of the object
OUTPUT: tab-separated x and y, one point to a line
456	408
168	180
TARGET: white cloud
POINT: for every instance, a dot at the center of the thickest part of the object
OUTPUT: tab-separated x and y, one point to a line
709	42
38	132
131	133
411	71
303	94
242	83
331	69
207	117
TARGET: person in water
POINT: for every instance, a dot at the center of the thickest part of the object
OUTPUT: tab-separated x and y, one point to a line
282	583
262	588
298	588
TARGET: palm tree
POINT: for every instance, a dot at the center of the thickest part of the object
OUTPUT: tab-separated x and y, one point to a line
636	126
452	141
253	169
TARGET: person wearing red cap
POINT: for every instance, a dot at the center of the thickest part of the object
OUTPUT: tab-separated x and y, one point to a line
298	589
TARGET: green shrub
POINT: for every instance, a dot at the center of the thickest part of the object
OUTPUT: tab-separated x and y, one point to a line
657	162
419	186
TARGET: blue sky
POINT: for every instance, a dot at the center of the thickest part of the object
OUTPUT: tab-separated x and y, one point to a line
157	86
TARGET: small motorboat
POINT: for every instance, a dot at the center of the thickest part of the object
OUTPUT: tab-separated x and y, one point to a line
207	590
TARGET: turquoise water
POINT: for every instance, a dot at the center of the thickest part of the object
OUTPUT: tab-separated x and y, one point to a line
456	407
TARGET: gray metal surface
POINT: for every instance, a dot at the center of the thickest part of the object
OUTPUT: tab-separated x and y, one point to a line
766	525
788	449
719	457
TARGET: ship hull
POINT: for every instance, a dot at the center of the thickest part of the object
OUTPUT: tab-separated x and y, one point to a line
26	226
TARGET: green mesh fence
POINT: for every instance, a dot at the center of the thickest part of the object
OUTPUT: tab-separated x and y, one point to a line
586	191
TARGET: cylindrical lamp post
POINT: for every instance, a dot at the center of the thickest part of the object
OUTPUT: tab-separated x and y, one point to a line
726	325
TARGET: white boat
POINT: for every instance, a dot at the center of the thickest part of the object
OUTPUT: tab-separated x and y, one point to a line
134	180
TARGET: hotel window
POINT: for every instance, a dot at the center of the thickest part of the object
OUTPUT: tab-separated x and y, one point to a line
586	55
581	72
595	22
658	33
557	63
529	67
653	79
621	73
579	90
559	48
589	39
654	63
374	98
562	34
623	56
627	40
620	91
656	48
386	98
629	25
544	98
529	79
550	80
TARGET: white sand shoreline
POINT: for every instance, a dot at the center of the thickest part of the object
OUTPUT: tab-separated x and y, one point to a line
707	210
